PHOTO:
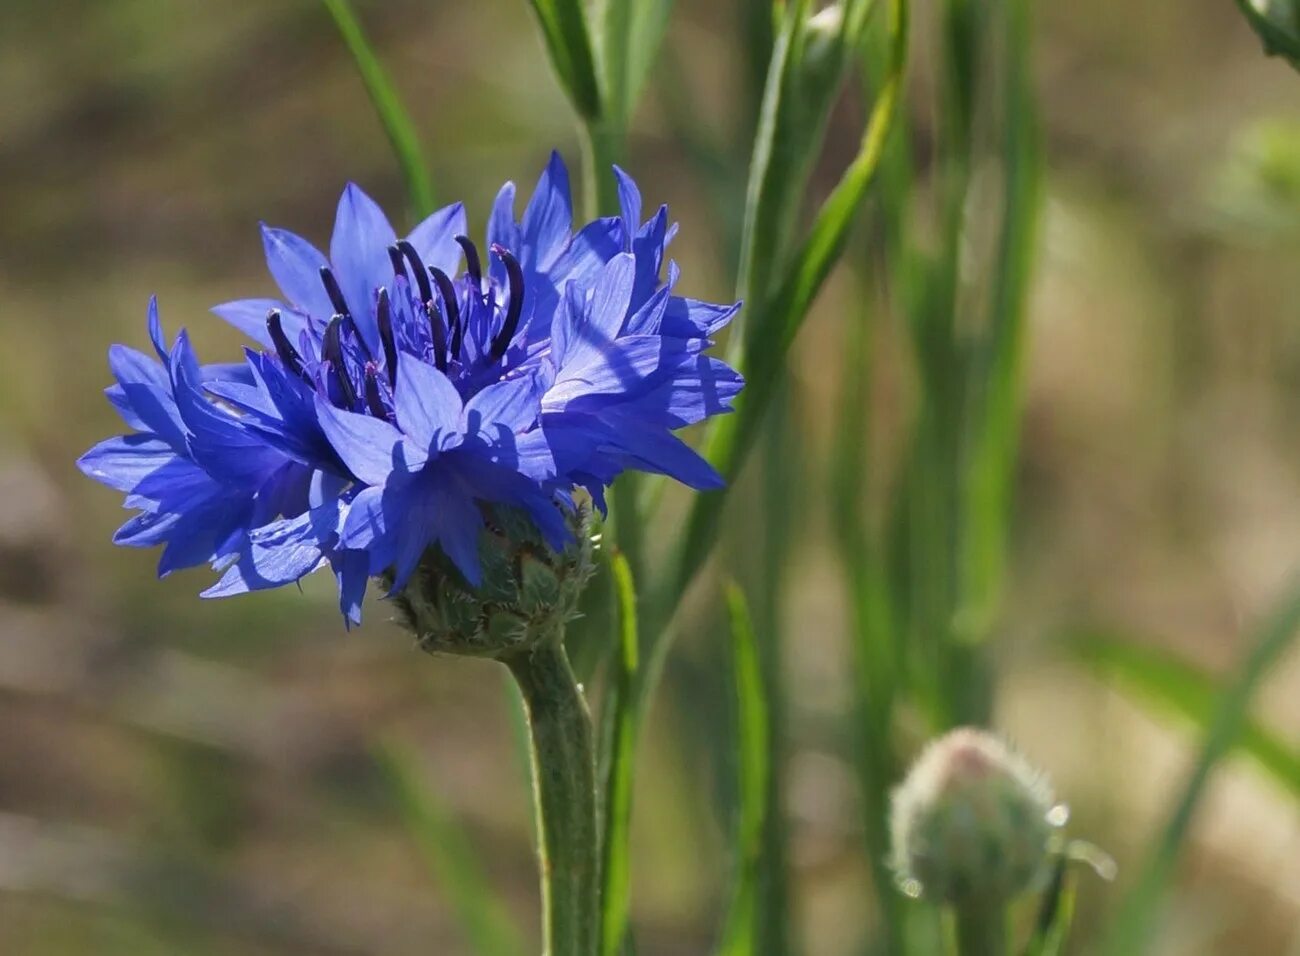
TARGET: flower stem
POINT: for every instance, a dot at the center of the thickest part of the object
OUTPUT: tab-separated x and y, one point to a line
981	928
603	148
564	789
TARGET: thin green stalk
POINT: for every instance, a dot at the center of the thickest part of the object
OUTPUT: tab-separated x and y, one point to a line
485	922
564	787
740	934
388	105
603	147
1138	916
875	669
777	320
980	929
620	705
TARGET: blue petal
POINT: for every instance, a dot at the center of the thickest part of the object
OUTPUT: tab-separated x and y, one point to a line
147	391
427	404
628	366
352	572
605	314
365	521
501	227
281	552
154	322
659	450
691	318
203	535
701	387
595	244
125	461
548	218
513	404
368	446
629	200
457	526
249	316
295	264
648	319
435	238
218	441
359	252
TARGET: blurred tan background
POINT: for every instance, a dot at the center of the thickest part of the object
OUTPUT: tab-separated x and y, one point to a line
179	776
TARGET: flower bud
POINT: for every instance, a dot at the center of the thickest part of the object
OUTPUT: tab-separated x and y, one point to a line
972	821
527	594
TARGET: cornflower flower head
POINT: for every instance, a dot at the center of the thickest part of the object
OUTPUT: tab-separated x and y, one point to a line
424	411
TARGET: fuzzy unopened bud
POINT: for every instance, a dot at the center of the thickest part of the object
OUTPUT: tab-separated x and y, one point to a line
972	822
528	593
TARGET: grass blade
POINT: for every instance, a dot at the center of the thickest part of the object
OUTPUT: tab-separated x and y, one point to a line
1170	684
568	43
392	115
777	321
486	924
740	937
1056	914
630	34
1136	923
620	766
988	488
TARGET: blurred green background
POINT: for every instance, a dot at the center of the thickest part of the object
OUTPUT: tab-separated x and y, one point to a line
187	777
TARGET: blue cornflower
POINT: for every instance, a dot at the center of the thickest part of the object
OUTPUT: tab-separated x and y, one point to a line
397	399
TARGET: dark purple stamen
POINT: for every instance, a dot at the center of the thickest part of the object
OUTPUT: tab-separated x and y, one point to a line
374	401
333	291
417	267
283	347
384	316
511	324
395	257
473	266
451	307
332	352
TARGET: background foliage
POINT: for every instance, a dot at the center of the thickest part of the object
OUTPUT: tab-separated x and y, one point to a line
244	777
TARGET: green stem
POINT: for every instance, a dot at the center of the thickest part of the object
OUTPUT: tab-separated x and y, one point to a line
564	789
981	929
603	148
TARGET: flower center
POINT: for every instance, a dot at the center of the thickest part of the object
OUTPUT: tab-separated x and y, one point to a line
357	380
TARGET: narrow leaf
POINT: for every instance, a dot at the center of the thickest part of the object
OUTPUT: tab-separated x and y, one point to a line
631	32
988	488
1055	914
484	920
1172	685
620	766
740	937
1139	914
568	42
392	115
776	321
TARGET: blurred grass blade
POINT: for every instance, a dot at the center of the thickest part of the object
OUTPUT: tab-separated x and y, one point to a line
1170	684
568	42
630	33
772	152
775	322
810	58
620	765
1139	913
1276	26
485	922
988	487
392	115
1056	914
740	936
